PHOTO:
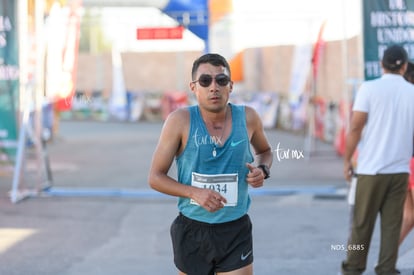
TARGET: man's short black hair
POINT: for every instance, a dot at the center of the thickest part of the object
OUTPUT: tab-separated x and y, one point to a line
395	56
211	58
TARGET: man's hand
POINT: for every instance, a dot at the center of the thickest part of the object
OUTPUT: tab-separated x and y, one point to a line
348	170
209	199
255	177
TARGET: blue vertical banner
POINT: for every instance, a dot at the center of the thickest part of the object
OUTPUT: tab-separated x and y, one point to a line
385	23
9	79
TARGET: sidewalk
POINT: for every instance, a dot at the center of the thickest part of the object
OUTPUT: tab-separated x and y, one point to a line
100	216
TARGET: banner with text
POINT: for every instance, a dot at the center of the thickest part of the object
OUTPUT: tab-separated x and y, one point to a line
386	23
9	79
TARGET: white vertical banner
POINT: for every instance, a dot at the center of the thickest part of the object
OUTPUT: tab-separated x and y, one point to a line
300	71
118	100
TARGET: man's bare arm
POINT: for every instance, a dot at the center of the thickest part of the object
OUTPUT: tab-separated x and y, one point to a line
358	122
261	146
168	146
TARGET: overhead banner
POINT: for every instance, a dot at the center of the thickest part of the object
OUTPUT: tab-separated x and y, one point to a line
9	79
386	23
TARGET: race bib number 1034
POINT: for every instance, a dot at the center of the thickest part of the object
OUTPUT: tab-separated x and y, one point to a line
225	184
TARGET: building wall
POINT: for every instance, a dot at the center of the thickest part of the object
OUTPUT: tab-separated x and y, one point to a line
270	69
265	69
158	72
94	73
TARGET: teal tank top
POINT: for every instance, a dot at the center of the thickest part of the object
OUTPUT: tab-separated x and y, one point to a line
224	171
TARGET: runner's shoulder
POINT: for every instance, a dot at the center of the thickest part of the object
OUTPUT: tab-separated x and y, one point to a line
178	118
252	117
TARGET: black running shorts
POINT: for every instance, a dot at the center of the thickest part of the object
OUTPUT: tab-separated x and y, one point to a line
203	249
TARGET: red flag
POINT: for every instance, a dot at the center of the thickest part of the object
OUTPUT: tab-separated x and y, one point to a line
317	50
69	59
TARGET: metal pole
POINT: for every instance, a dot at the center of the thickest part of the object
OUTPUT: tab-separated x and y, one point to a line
310	112
22	14
39	86
344	51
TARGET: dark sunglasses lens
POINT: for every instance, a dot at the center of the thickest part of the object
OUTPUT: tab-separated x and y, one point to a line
205	80
222	79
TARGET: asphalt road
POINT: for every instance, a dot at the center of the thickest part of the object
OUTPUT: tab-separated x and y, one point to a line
100	216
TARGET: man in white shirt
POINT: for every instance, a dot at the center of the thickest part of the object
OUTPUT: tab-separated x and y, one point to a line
382	124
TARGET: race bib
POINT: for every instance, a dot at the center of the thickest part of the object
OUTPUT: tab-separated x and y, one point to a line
225	184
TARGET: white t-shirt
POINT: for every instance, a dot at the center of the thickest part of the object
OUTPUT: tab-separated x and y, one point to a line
386	145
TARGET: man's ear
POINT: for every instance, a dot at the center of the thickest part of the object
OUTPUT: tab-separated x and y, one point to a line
192	87
404	68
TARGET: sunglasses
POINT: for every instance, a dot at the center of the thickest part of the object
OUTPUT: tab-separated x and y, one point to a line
205	80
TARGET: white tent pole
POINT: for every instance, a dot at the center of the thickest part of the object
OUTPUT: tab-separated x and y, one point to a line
22	15
39	86
15	194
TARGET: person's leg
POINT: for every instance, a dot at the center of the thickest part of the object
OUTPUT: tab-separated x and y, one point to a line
368	200
247	270
408	216
235	247
189	240
391	219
